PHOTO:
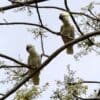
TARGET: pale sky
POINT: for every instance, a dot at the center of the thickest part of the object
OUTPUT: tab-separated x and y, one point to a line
13	40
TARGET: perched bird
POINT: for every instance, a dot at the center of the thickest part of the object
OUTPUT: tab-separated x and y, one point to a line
34	60
66	31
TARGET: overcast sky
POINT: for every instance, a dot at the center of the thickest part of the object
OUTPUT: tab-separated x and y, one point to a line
13	40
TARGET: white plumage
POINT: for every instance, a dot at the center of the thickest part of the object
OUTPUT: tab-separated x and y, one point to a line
34	60
67	31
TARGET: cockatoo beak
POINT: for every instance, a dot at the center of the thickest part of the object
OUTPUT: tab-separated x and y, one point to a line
28	47
61	17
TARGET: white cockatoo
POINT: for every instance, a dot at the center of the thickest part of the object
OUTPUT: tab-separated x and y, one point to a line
34	60
67	31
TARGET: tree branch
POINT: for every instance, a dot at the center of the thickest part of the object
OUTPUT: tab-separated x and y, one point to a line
12	59
50	7
82	82
16	61
11	66
53	55
21	4
78	28
62	9
31	24
41	23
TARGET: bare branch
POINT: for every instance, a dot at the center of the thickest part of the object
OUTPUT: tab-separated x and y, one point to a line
44	55
15	61
21	4
78	28
52	7
82	82
53	55
39	16
41	35
62	9
90	11
31	24
11	66
12	59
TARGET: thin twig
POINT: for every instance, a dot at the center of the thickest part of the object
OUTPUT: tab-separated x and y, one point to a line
91	13
44	55
40	20
31	24
82	82
11	66
16	61
12	59
39	16
91	26
78	28
48	7
21	4
53	55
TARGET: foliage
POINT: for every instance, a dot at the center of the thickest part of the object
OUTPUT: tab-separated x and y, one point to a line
71	86
30	93
87	25
65	90
26	94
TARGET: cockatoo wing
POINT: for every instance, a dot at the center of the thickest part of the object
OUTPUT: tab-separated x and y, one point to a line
34	60
67	31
